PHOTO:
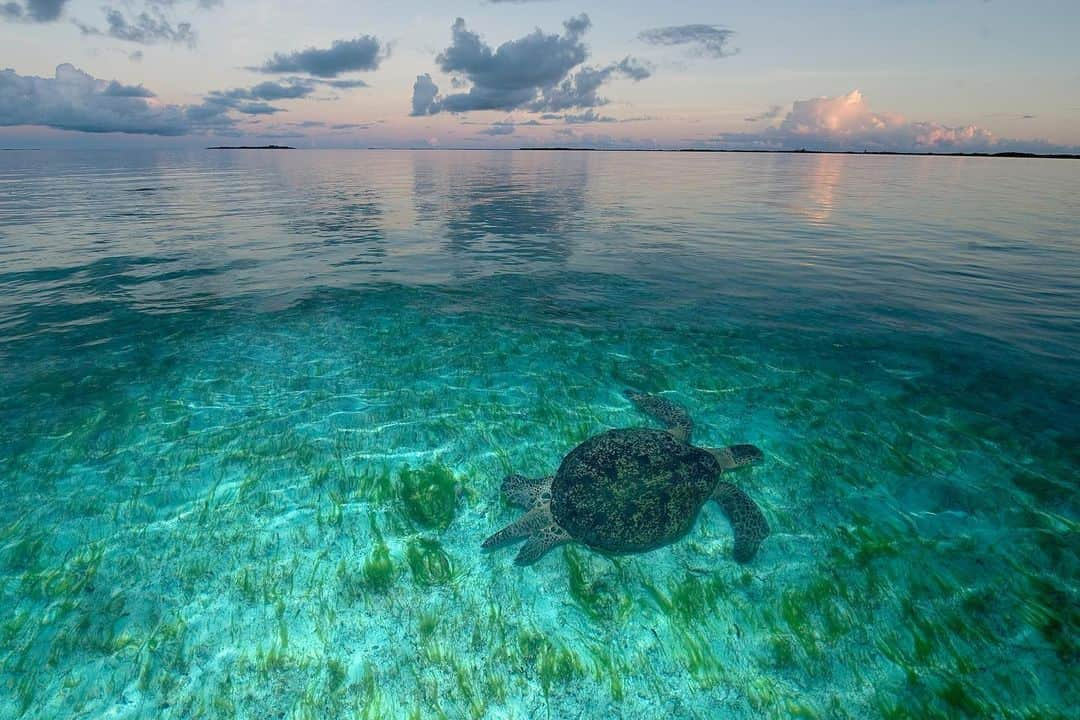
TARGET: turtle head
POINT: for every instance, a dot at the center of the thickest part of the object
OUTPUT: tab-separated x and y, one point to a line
746	455
737	456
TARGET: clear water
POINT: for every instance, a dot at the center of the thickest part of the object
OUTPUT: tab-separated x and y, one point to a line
255	409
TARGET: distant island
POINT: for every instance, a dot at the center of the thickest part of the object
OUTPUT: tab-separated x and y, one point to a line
825	152
251	147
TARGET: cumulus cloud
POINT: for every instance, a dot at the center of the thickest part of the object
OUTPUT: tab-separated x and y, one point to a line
423	94
538	72
115	89
33	10
846	122
361	53
709	40
772	112
74	100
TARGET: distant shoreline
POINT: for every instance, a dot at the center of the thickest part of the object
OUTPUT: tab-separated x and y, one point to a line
824	152
1047	156
251	147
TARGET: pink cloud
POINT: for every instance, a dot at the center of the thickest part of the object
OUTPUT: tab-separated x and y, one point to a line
846	122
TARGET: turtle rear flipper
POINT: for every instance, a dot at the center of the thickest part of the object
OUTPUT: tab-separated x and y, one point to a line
674	417
531	522
747	520
525	492
737	456
539	543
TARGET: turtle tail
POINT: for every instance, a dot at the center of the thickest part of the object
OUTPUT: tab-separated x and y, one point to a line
747	520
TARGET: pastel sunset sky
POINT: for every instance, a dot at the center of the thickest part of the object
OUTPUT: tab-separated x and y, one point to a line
909	75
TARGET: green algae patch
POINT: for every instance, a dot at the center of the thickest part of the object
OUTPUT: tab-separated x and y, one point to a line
554	665
428	562
594	586
428	495
378	572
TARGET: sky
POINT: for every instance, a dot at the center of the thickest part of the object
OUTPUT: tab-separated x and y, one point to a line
903	75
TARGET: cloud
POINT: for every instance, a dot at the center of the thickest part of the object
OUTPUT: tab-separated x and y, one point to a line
146	28
115	89
252	101
581	89
271	90
33	10
361	53
589	116
772	112
74	100
709	40
499	128
256	99
846	122
345	84
423	95
531	73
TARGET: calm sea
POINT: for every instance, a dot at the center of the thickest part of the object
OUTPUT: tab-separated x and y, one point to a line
255	408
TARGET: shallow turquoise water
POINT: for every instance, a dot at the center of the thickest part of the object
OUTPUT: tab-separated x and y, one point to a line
255	408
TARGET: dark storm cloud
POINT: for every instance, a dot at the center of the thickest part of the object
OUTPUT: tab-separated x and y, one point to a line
532	72
769	114
707	39
146	28
361	53
33	10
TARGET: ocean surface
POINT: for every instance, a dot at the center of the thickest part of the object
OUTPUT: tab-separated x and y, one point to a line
255	409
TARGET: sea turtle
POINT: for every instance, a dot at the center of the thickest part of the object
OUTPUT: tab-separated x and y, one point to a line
631	490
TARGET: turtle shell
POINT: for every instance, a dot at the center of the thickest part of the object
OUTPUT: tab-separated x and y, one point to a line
632	490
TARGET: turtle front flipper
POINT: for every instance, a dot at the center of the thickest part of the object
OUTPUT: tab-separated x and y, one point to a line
525	492
747	520
675	418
